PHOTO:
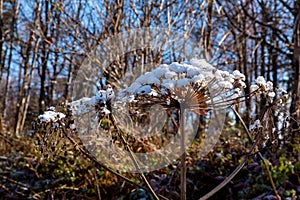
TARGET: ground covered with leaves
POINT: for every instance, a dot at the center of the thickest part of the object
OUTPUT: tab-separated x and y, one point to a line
33	169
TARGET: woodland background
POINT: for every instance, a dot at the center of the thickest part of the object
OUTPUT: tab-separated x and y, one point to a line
44	42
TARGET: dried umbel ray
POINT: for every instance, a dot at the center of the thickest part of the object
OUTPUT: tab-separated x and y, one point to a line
195	86
212	88
201	86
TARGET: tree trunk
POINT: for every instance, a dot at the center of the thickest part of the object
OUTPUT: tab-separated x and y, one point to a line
10	54
1	41
295	105
208	31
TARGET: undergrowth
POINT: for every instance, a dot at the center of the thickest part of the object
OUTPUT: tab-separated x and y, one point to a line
31	169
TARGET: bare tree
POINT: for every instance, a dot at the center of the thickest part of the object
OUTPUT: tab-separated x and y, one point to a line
29	51
258	42
295	105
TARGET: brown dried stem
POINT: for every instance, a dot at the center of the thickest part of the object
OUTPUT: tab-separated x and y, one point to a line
93	159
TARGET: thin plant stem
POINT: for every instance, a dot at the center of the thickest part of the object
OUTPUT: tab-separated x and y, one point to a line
132	157
232	175
227	180
242	164
93	159
183	155
260	155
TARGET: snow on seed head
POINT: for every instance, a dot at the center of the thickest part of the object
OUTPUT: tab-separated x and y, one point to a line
133	87
238	75
192	71
281	92
183	82
167	83
161	71
218	75
271	94
260	81
49	116
148	78
199	78
176	67
253	88
269	86
170	75
201	63
225	84
146	89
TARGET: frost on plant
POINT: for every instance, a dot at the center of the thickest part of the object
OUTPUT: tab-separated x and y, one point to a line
147	113
264	130
211	87
51	116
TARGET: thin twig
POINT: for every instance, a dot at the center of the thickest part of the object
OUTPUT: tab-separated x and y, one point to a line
227	179
127	147
22	185
93	159
241	165
243	123
97	185
260	155
183	156
232	175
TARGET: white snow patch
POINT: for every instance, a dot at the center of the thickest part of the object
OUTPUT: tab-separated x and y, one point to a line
51	116
105	111
261	81
192	71
148	78
224	73
51	108
170	75
176	67
146	89
218	75
109	94
226	85
253	88
202	63
183	82
269	86
238	91
238	75
167	83
83	105
256	124
199	78
161	70
280	90
242	83
133	87
271	94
